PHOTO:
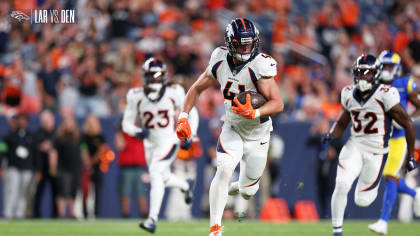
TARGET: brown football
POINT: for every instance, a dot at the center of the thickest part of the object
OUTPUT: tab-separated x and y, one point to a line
257	100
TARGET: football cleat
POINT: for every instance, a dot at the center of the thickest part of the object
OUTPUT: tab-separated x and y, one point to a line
149	225
216	230
380	227
416	205
189	194
233	188
337	234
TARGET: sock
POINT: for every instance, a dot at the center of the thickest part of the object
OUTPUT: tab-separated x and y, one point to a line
156	195
338	205
390	195
403	188
175	181
337	229
218	196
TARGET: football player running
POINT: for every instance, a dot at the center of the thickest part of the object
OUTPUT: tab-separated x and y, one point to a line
370	107
155	105
246	131
390	63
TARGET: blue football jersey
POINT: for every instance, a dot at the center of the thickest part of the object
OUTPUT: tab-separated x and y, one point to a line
405	86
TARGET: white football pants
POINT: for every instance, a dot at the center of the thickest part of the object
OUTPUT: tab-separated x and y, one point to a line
353	163
159	159
231	150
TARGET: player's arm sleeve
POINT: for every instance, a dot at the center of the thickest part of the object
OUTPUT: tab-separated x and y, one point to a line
267	66
194	119
130	114
391	98
411	85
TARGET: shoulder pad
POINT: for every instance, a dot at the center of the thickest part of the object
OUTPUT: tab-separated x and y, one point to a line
218	54
266	66
134	94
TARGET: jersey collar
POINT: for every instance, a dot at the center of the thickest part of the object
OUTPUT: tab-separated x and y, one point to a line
358	97
236	69
162	92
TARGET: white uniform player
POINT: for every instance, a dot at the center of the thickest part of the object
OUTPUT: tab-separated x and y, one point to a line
243	139
156	107
370	107
245	135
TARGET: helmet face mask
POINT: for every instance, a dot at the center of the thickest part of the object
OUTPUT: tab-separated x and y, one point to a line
154	75
365	72
242	39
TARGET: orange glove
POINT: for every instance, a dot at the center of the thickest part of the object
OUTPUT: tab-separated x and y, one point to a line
183	129
245	110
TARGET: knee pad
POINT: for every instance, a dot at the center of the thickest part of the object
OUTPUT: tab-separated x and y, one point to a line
363	202
364	199
342	187
225	172
248	191
155	176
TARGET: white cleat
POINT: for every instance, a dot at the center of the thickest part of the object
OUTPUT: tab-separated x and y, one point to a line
216	230
380	227
233	188
416	204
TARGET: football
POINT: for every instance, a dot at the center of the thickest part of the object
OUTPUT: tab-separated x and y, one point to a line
257	100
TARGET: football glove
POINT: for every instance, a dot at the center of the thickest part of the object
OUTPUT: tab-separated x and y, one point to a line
143	134
326	138
183	129
411	164
245	110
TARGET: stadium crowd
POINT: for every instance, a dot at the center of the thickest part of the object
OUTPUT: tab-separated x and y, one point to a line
89	66
82	69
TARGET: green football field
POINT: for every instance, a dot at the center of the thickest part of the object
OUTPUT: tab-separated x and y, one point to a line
196	228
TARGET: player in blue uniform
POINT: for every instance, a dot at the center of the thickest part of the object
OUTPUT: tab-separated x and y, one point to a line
407	88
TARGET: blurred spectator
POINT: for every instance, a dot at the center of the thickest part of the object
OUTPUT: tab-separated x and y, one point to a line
5	26
18	149
93	146
48	80
67	165
133	172
44	148
326	159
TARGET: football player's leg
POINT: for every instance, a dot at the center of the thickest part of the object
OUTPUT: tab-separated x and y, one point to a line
396	155
158	160
349	166
369	179
229	152
171	180
252	166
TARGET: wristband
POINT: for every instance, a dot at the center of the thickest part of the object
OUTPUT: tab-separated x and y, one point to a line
183	115
257	114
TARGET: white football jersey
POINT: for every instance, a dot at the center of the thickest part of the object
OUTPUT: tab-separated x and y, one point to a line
159	116
234	80
371	124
